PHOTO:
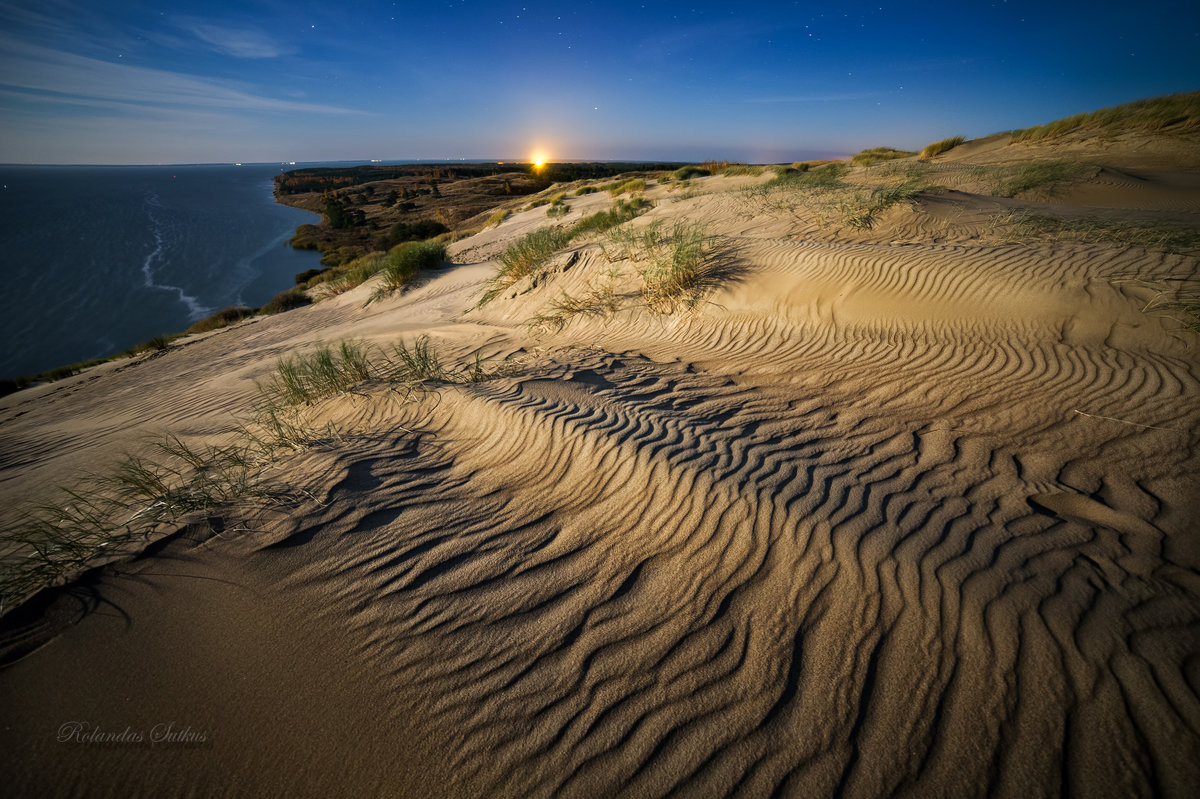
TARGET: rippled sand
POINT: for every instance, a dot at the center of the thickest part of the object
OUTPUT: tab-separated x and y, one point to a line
907	510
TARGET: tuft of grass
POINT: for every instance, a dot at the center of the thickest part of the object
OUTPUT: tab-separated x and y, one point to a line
876	155
524	257
495	219
155	344
622	211
286	301
417	365
304	379
117	512
821	178
620	187
582	190
599	301
1172	114
673	276
860	211
557	209
222	318
405	261
1029	226
1043	176
675	267
733	170
939	147
689	172
353	274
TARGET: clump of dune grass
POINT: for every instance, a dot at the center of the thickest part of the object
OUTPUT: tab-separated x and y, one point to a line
404	262
498	217
620	187
689	172
598	301
524	257
621	212
1169	237
304	379
222	318
861	209
344	278
824	177
154	344
876	155
1172	114
117	511
939	147
735	170
557	209
674	265
582	190
286	301
1043	176
673	276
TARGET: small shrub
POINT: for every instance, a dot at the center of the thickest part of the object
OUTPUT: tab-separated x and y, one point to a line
939	147
402	232
307	275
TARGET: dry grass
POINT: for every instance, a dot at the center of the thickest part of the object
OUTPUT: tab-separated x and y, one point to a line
877	155
939	147
1175	114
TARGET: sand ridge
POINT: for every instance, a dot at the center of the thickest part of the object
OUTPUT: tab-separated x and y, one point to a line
894	511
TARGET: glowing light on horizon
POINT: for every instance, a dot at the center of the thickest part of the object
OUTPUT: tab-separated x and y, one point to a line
539	160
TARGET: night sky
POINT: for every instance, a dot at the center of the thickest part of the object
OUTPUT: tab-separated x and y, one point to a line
118	81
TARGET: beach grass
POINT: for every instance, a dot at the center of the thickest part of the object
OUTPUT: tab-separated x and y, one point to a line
222	318
286	301
939	147
404	262
877	155
498	217
1173	114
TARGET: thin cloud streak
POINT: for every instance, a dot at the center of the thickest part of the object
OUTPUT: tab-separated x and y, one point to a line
41	69
239	43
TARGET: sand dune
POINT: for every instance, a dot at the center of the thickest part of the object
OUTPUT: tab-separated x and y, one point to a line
904	510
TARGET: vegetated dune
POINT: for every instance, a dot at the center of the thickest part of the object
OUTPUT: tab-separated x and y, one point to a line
905	502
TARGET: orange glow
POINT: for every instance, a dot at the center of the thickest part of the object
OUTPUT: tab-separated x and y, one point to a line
539	160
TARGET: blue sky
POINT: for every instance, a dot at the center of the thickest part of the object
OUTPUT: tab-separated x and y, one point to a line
120	81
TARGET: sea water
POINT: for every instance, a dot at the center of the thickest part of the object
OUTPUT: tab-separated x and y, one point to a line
99	259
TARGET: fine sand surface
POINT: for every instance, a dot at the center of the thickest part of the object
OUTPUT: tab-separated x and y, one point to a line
904	510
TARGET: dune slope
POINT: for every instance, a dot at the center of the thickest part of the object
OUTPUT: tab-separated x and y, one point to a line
898	509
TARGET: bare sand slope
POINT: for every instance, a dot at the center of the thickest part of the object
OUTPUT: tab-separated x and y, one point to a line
902	510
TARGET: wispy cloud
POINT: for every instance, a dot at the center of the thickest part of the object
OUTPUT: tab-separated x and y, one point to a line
71	77
236	42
